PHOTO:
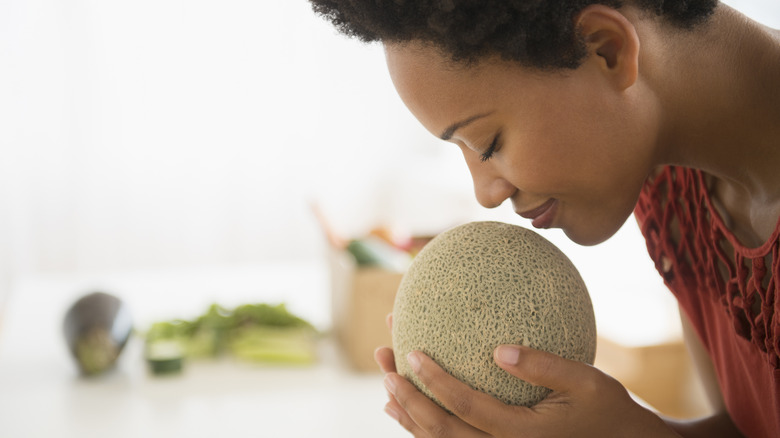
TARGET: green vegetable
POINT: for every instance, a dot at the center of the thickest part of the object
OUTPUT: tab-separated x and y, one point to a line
273	344
373	251
165	356
96	328
253	332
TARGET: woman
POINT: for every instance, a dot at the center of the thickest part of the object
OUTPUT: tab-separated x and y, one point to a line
581	113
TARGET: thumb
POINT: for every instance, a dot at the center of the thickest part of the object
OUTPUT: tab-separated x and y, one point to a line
541	368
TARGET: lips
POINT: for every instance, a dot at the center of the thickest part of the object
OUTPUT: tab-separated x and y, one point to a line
543	215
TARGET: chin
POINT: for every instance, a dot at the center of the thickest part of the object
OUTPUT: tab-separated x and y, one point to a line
595	226
584	241
590	237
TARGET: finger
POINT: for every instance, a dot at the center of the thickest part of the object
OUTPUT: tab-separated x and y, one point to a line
399	414
542	368
426	414
389	321
476	408
385	359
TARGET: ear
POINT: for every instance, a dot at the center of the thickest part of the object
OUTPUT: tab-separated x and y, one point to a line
612	39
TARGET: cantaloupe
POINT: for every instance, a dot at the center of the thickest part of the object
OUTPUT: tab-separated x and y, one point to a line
483	284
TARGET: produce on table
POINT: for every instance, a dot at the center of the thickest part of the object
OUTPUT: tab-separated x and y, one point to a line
381	247
372	251
256	332
165	356
96	328
483	284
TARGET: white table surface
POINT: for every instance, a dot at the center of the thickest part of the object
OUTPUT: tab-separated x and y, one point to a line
42	395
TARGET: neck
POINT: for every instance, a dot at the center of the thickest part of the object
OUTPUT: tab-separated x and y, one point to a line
722	102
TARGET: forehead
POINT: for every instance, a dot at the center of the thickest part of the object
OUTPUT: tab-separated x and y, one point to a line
414	64
436	90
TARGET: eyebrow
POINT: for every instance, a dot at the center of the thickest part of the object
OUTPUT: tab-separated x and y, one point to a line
447	134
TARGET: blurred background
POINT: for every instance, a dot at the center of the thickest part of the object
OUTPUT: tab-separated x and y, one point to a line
172	150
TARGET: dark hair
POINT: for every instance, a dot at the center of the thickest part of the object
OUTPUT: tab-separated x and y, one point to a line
535	33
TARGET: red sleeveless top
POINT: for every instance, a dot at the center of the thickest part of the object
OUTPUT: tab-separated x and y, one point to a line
729	292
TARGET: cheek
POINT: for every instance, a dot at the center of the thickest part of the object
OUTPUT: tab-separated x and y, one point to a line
580	141
573	142
590	168
551	160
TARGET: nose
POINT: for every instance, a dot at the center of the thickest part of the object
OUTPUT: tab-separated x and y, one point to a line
490	188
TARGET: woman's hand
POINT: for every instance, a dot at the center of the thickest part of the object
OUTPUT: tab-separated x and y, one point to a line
584	402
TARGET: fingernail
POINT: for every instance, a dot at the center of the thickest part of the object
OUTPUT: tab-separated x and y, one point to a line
414	361
390	384
391	412
508	354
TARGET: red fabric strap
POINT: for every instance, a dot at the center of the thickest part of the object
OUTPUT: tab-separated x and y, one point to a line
727	290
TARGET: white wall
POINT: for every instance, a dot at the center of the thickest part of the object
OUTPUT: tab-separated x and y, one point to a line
154	134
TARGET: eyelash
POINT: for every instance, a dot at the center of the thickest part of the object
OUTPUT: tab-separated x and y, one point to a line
491	149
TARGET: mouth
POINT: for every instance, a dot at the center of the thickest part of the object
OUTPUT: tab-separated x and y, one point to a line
543	215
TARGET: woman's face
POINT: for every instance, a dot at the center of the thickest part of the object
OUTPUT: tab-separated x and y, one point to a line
569	149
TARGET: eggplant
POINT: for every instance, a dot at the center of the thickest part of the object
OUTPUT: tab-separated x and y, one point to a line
96	328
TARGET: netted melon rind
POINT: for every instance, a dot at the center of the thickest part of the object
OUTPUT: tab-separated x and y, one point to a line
483	284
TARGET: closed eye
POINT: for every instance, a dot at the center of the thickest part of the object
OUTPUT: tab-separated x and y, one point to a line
492	148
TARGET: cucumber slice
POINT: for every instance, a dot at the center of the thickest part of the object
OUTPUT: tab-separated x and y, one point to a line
165	357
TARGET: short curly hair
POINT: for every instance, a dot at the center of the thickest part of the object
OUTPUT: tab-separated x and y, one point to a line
534	33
